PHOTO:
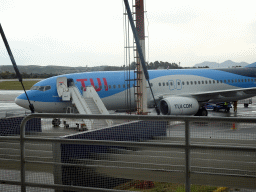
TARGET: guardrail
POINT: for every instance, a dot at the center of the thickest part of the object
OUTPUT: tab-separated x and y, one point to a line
104	165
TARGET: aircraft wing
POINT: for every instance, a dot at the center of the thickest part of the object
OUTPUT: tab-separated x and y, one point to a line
216	95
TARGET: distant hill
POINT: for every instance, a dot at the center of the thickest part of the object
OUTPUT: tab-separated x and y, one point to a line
225	64
251	65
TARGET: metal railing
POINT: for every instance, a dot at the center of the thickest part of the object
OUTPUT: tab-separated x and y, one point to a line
187	146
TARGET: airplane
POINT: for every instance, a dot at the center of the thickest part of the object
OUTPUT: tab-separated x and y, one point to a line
177	91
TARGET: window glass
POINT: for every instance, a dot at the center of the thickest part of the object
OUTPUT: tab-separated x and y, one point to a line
178	83
210	81
163	83
236	80
41	88
229	80
123	85
183	83
206	82
217	81
159	84
245	80
239	80
48	87
242	80
225	81
202	82
167	84
199	82
191	82
195	82
109	86
213	81
187	83
220	81
119	86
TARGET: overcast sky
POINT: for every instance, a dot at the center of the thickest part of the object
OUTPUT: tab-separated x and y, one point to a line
80	33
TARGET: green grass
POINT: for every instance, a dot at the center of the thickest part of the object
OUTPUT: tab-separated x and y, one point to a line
164	187
16	85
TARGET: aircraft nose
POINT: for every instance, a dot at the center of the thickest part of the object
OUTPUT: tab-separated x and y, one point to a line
21	100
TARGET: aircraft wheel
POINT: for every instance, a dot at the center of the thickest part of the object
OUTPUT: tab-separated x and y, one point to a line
56	122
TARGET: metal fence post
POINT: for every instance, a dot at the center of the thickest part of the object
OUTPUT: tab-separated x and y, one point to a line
57	169
187	154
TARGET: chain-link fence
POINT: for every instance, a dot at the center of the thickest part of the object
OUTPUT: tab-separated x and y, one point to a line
134	153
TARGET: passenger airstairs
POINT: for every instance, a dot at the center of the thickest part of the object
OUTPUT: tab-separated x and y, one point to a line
88	103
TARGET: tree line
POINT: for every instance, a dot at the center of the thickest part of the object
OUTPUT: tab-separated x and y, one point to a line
132	66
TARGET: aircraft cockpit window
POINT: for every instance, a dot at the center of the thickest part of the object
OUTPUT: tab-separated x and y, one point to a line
41	88
47	88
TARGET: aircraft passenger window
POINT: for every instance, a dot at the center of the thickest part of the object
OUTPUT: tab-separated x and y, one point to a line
109	86
217	81
114	86
195	82
183	83
96	87
163	84
255	80
48	87
167	84
239	80
210	81
187	83
225	81
105	87
191	82
236	80
206	82
119	86
171	83
220	81
245	80
232	81
123	85
178	83
242	80
248	80
202	82
213	81
198	82
229	81
159	84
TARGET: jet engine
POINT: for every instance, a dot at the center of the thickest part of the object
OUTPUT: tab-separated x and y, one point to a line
179	106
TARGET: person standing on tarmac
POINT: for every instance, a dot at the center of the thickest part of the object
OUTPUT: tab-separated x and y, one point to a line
235	106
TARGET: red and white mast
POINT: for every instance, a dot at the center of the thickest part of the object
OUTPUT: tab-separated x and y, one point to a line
141	90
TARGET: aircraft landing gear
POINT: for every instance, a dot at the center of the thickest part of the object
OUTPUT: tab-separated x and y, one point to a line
202	112
56	122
